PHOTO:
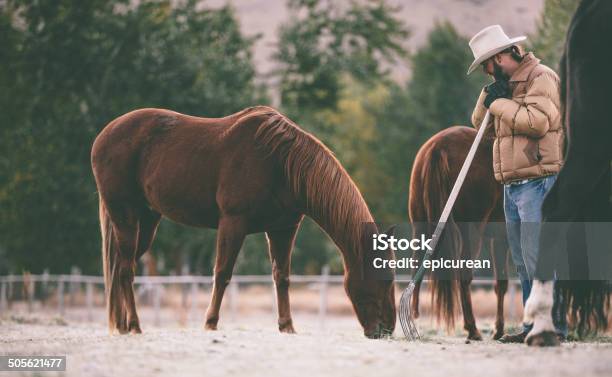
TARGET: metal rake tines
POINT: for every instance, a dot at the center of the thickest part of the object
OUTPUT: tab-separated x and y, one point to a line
405	314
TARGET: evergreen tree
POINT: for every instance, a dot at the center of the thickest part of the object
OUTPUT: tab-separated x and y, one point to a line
548	42
68	68
439	95
325	40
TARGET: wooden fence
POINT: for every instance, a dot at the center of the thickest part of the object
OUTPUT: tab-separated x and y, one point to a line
66	286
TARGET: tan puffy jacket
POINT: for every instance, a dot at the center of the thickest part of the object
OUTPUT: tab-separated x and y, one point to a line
529	137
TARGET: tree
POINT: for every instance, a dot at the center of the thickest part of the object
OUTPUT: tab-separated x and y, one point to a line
69	67
549	39
439	95
328	57
330	40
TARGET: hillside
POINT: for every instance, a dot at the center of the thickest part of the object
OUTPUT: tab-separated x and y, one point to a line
518	17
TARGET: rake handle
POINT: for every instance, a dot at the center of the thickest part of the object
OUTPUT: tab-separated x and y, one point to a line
418	276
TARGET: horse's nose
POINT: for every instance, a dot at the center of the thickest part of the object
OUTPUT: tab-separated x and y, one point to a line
376	333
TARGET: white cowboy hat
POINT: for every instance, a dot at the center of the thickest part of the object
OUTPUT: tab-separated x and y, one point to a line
488	42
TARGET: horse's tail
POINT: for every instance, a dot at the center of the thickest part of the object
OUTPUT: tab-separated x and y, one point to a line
587	301
588	304
114	306
436	190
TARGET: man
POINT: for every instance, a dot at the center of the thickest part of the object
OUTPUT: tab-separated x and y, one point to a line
524	102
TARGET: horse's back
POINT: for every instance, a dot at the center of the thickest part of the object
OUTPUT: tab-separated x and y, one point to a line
436	168
163	160
131	143
452	144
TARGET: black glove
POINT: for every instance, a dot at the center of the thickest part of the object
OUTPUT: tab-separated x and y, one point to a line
498	89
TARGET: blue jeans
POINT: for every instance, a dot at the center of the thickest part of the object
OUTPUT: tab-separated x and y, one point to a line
522	209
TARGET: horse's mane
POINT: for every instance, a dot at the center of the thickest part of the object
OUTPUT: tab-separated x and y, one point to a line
314	174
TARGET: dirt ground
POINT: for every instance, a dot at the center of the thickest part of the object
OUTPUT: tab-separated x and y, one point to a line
251	346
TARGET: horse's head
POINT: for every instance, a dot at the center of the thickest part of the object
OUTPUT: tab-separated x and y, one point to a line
374	304
372	292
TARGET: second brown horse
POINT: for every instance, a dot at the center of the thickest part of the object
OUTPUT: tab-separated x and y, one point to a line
434	172
253	171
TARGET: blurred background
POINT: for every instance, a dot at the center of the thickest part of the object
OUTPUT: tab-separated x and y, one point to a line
372	79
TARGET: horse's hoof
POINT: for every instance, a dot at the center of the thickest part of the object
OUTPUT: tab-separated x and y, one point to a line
543	339
498	335
287	329
474	335
286	326
210	326
135	328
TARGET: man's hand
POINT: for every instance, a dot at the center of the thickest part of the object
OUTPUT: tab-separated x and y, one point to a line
498	89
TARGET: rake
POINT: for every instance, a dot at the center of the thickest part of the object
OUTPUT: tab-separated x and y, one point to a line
405	312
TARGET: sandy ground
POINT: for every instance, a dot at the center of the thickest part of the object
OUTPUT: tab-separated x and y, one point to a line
252	347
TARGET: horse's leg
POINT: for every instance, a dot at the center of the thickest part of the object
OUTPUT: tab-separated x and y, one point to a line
499	255
125	229
148	222
414	308
280	246
230	237
469	323
414	305
538	311
501	287
147	226
465	276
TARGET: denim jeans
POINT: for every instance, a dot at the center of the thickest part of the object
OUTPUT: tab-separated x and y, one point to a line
522	209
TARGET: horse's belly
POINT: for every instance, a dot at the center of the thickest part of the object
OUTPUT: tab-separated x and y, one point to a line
202	217
186	205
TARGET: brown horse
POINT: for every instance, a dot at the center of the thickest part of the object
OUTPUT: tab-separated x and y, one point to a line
253	171
434	172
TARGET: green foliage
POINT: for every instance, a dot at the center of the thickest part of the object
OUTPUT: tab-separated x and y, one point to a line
549	41
441	92
375	127
69	67
438	96
325	40
330	56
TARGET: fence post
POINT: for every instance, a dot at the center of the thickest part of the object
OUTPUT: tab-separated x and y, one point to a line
184	288
233	299
31	289
9	295
156	303
194	302
324	281
75	274
512	296
60	296
89	300
3	297
274	298
45	287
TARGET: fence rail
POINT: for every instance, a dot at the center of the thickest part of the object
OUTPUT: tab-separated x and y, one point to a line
187	279
68	284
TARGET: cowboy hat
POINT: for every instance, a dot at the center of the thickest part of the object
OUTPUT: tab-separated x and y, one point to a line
488	42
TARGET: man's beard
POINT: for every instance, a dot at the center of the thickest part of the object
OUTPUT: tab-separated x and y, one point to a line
498	73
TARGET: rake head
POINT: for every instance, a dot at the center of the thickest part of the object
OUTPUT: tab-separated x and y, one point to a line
405	314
